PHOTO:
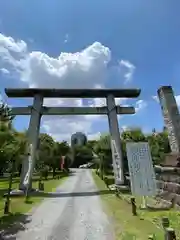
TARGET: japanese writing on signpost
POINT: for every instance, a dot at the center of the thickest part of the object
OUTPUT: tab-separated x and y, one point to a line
142	175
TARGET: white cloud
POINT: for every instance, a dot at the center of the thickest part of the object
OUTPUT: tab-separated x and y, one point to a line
12	52
177	97
63	127
4	71
70	70
140	105
66	39
100	102
127	69
124	128
155	98
9	44
84	69
94	136
65	102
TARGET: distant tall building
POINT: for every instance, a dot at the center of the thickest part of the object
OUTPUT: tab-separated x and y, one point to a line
78	139
171	116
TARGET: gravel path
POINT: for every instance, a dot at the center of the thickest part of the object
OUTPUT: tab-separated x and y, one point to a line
74	212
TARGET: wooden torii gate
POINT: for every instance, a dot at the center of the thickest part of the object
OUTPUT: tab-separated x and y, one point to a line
37	110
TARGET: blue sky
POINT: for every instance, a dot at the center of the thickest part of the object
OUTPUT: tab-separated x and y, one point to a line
143	33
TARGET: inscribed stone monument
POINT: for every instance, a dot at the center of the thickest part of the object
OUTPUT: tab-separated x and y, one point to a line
171	116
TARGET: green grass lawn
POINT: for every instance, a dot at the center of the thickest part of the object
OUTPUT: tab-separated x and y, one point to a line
126	226
156	216
17	204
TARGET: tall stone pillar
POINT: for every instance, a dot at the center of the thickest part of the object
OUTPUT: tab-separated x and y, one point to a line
115	137
171	116
33	139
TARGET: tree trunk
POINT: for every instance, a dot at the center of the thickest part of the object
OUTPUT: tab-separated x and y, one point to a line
54	172
1	172
19	169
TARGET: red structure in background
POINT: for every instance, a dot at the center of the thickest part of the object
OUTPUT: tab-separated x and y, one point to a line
62	162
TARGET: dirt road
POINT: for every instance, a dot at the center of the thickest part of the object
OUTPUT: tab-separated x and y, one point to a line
74	212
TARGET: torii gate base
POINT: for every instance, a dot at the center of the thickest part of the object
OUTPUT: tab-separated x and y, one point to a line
37	110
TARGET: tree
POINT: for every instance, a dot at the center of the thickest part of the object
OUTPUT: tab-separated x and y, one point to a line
159	145
50	153
82	155
158	142
7	137
14	144
134	135
103	149
62	148
5	114
22	143
68	160
91	144
11	148
45	150
58	150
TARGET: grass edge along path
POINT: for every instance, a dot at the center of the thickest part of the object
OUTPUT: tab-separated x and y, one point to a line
126	226
18	207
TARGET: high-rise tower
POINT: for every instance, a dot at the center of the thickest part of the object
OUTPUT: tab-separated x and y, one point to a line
78	139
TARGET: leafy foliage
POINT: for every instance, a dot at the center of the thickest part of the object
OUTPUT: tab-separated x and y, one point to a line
13	145
5	114
81	155
158	142
50	153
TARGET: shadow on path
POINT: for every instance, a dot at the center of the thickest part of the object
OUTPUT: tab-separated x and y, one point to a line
72	194
11	224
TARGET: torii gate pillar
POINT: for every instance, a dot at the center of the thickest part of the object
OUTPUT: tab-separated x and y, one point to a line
33	138
115	136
